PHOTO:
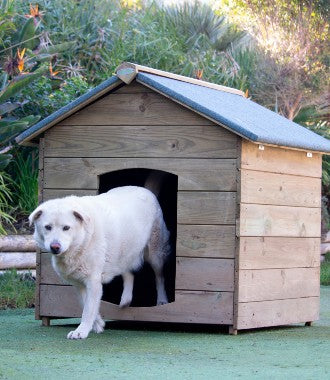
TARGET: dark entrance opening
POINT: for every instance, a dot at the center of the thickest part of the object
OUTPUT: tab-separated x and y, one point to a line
165	186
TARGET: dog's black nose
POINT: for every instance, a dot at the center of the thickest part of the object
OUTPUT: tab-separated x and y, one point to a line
55	248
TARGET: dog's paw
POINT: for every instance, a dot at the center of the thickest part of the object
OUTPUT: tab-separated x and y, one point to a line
98	325
78	334
125	302
162	302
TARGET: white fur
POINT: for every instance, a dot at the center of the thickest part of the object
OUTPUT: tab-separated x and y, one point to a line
109	235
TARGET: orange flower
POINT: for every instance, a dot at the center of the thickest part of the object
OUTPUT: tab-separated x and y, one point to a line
52	73
34	12
199	74
246	94
20	59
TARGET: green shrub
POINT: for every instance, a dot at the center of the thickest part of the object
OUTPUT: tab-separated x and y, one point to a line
325	270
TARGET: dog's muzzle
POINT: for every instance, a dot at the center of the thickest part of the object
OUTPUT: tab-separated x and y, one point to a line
55	248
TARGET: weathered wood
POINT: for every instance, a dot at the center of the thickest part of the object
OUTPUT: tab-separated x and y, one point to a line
191	273
205	241
279	160
206	208
59	193
266	220
133	88
278	312
278	252
189	141
193	174
189	307
17	243
272	284
280	189
204	274
45	321
18	260
135	109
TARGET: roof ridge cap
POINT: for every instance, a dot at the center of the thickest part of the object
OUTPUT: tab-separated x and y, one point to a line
127	72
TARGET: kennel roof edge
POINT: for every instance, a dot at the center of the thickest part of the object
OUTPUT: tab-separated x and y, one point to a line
225	106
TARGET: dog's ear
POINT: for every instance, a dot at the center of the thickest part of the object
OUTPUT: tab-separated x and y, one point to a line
78	216
35	216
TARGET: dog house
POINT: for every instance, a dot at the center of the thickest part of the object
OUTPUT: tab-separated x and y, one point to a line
241	191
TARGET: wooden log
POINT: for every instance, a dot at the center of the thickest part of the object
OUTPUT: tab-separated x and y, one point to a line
280	160
17	243
18	260
140	141
277	312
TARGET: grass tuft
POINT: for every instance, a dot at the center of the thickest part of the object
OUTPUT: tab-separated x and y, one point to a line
325	270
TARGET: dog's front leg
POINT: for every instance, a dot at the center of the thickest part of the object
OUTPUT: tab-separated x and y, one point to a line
93	294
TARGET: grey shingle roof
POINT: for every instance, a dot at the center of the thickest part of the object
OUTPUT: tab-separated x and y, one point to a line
238	114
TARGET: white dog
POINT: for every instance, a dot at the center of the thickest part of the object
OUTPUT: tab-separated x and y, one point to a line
95	238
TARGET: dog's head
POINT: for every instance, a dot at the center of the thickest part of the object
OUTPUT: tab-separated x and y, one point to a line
59	225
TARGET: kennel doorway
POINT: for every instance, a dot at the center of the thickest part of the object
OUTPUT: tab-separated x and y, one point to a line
165	186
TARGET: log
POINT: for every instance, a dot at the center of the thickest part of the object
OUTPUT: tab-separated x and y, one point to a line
18	260
17	243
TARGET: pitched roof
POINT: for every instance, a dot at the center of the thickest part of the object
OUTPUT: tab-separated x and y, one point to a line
225	106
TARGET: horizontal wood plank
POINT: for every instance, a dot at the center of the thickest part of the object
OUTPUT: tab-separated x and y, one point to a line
189	307
278	312
272	284
133	88
268	220
206	208
193	174
278	252
139	109
188	141
59	193
204	274
205	241
280	189
280	160
17	260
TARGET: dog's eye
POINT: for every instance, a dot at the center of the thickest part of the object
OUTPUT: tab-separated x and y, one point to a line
48	227
66	228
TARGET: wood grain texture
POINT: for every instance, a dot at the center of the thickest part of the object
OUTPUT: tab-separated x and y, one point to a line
189	307
204	274
18	260
185	141
138	109
133	88
59	193
217	274
272	284
278	312
205	241
280	189
280	160
206	208
193	174
266	220
278	252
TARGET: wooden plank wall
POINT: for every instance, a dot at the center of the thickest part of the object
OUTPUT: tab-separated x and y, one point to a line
137	128
279	237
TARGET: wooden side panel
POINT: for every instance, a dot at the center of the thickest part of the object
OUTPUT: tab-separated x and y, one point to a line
205	241
193	174
138	109
278	312
268	220
274	284
189	307
279	160
280	189
59	193
279	252
132	140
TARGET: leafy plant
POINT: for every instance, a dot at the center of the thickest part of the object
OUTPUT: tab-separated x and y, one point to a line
5	201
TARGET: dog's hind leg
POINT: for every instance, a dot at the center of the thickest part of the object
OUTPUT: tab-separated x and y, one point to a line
127	295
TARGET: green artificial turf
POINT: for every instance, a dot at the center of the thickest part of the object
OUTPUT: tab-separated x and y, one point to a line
147	351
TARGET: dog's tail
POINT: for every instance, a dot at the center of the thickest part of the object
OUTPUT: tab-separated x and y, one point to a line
154	181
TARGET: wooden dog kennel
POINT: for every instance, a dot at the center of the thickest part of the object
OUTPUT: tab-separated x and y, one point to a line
248	197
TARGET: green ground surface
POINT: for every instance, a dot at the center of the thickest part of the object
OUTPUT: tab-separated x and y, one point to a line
140	351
